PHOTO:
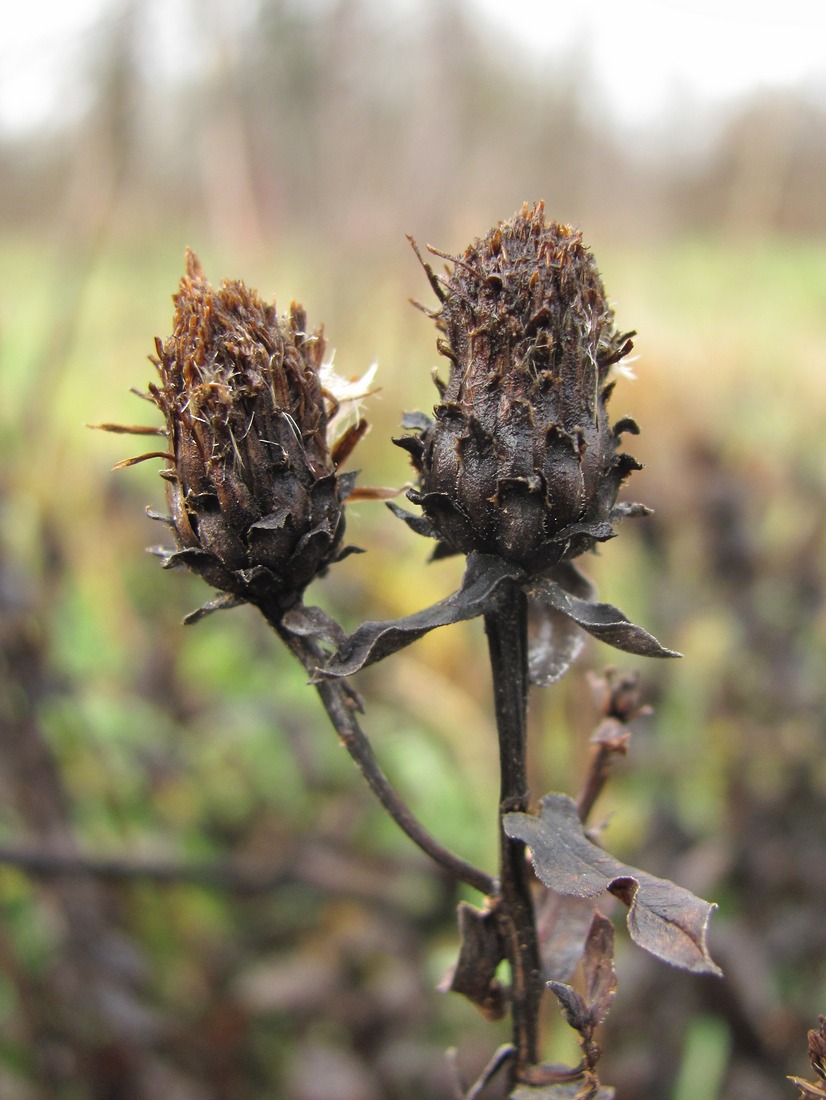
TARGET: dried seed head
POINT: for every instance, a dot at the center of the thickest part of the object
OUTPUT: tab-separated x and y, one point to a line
254	498
521	461
817	1048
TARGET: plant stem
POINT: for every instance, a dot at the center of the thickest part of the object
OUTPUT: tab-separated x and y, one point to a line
340	704
508	647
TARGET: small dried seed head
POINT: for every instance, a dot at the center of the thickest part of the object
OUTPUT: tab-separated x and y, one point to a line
817	1048
254	499
521	461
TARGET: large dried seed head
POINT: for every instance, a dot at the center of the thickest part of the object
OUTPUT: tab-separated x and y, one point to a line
521	460
254	498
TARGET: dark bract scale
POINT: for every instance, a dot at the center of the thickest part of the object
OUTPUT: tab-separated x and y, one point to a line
254	499
520	460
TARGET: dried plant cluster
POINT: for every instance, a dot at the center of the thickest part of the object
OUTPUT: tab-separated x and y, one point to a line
519	470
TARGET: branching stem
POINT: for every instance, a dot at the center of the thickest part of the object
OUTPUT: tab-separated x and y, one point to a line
340	707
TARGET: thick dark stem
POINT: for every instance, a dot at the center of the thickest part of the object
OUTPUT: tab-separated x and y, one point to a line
508	646
340	709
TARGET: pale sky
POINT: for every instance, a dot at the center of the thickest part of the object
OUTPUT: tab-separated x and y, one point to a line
645	54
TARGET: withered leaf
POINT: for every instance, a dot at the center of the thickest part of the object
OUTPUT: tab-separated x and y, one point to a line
562	923
313	622
222	602
420	524
555	639
560	605
573	1005
602	620
479	593
474	975
555	644
584	1012
663	918
598	968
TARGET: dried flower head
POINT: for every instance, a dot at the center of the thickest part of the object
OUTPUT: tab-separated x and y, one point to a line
521	460
255	501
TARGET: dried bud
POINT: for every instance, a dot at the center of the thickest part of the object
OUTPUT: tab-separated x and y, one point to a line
521	461
254	498
817	1048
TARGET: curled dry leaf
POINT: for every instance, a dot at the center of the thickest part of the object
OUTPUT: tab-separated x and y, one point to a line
479	593
556	609
663	918
474	975
562	923
573	1005
555	639
585	1011
598	968
602	620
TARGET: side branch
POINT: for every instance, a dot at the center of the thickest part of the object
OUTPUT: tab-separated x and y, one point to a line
340	709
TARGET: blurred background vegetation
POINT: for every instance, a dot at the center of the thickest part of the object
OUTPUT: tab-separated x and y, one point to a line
284	940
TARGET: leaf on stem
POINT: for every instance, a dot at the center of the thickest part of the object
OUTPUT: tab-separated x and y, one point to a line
480	592
562	924
605	622
556	642
598	968
419	524
585	1011
224	601
574	1007
474	975
555	639
312	622
663	918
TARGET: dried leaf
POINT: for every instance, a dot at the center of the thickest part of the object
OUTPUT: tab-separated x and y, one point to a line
479	593
555	640
586	1012
222	602
573	1005
474	975
562	923
598	969
663	918
605	622
420	524
560	604
555	644
312	622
